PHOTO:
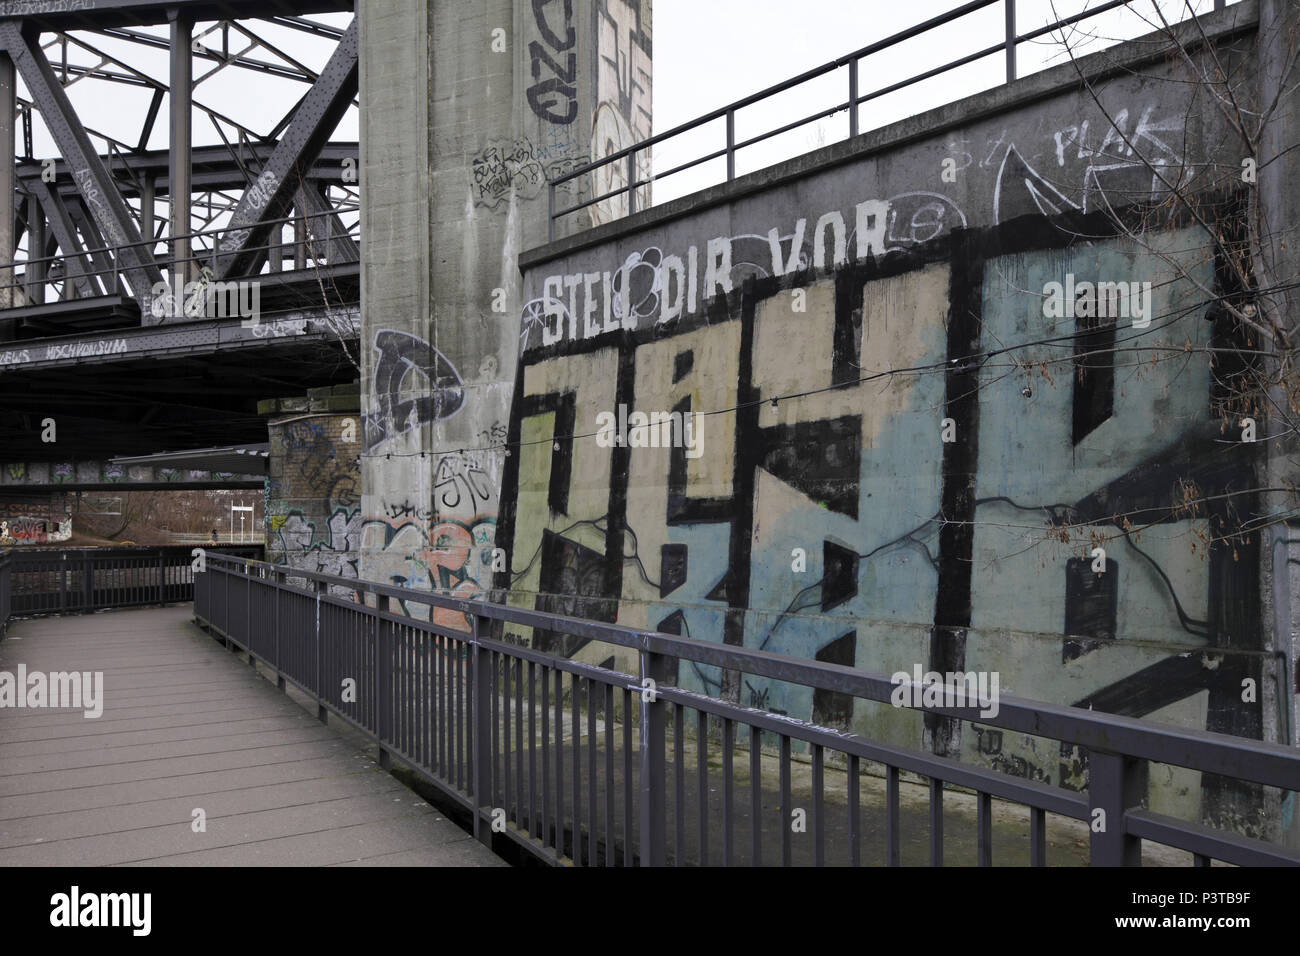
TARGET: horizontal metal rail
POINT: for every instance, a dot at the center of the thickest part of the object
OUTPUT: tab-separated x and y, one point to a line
78	580
621	165
28	287
584	765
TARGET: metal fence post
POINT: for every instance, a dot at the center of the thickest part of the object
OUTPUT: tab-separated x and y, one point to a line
631	182
731	145
279	672
87	583
853	97
482	717
656	669
248	613
1115	784
383	681
1011	40
321	713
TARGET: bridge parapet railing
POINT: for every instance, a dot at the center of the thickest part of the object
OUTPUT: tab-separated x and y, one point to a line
77	580
587	765
619	182
5	597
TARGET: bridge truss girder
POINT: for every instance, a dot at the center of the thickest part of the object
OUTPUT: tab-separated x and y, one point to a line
86	207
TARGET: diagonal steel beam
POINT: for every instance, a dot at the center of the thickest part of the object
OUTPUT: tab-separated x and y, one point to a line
65	235
323	223
272	195
93	181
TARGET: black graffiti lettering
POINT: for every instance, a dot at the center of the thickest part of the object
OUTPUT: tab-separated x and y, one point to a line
549	35
400	354
554	99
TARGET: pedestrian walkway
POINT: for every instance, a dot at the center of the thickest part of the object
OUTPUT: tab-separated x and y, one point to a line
195	761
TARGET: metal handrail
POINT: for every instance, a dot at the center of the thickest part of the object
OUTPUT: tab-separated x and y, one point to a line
1119	747
21	281
855	99
38	580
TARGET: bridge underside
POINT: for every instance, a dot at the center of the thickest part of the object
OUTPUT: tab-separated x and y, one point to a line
138	391
95	362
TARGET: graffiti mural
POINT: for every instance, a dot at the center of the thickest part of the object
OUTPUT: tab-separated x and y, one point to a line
34	523
412	384
519	168
622	115
553	62
906	548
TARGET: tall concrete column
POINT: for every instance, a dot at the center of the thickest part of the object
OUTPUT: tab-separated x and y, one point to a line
466	112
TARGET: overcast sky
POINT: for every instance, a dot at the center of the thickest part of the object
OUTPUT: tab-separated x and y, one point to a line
707	53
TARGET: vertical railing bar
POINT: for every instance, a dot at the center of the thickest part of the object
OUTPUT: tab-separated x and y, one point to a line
1011	39
631	183
787	811
629	816
611	789
855	819
439	707
984	828
550	211
495	752
1115	783
731	145
755	797
656	669
679	780
728	743
893	845
483	729
702	780
384	634
559	762
1037	836
546	757
576	719
819	805
592	795
936	821
853	97
427	697
507	666
458	685
519	743
532	753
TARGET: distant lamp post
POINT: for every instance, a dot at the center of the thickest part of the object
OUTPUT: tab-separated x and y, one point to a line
245	511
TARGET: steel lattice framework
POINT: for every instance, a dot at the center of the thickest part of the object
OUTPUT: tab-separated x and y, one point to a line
120	107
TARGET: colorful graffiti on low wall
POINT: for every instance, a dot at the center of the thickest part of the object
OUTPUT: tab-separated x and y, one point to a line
34	523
